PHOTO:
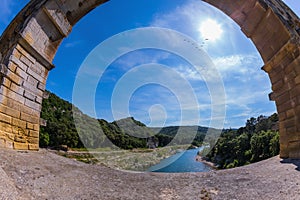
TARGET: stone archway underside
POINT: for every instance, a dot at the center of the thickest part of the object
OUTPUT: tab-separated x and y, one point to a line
30	42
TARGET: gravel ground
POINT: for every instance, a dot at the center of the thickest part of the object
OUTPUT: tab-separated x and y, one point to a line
45	175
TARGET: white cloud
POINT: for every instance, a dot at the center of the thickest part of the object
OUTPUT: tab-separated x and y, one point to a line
239	63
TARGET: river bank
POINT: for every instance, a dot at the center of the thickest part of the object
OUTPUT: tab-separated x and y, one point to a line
208	163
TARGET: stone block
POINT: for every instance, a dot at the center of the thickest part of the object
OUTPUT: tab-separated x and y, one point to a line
33	140
20	140
33	147
41	86
38	68
292	135
39	100
6	82
284	151
18	63
20	146
288	123
17	54
10	136
34	105
253	17
17	89
294	149
11	103
283	98
295	91
19	123
276	75
30	111
36	127
297	79
29	95
34	134
290	113
25	53
285	106
21	73
282	116
12	66
9	111
5	118
38	77
16	97
26	61
295	65
29	126
32	89
58	18
14	78
278	85
7	128
29	118
33	81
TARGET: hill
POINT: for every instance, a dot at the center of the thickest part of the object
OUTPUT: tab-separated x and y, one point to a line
67	125
194	135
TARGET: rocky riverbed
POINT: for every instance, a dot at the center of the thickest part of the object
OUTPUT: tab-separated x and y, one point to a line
45	175
134	160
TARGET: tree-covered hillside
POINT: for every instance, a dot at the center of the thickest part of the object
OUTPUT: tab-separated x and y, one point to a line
92	133
257	141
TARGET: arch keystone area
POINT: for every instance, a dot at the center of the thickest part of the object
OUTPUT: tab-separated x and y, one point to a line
30	42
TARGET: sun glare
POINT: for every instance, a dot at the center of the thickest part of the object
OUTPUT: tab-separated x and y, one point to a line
210	30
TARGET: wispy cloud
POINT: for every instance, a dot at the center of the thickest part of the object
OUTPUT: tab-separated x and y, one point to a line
240	64
140	57
72	44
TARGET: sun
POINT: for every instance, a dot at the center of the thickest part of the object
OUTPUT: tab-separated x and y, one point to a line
210	30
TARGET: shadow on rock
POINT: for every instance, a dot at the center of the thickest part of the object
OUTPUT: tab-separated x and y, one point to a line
295	162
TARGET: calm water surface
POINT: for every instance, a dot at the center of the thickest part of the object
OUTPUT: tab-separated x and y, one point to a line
184	161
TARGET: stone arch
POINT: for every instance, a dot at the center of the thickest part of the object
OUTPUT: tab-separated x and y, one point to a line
29	44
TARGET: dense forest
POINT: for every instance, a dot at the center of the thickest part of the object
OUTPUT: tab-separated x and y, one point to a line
89	133
258	140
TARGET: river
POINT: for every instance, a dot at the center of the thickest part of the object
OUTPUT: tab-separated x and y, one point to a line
184	161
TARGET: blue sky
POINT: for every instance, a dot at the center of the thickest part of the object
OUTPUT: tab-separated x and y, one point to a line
235	57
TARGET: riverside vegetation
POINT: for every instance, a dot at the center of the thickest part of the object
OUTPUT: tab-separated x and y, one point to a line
257	141
128	140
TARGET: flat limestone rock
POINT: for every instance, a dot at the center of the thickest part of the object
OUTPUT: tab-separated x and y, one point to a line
45	175
7	187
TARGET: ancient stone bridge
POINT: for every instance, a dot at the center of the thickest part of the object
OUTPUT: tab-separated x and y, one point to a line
30	42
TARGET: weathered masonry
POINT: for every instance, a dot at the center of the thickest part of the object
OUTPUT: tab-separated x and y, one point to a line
30	42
